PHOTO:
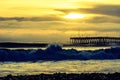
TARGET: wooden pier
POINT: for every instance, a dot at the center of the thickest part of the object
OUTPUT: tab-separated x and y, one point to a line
95	41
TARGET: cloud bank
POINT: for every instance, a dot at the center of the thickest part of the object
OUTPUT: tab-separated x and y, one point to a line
105	19
110	10
42	18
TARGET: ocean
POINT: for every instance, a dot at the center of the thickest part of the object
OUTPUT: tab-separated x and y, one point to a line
84	63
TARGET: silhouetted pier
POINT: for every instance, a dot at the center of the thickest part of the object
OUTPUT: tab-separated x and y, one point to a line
95	41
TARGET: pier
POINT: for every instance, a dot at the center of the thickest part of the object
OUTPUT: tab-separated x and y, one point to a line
95	41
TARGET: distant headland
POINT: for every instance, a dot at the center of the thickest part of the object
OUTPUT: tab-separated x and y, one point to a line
19	45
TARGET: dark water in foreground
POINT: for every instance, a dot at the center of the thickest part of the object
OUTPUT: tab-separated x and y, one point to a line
64	76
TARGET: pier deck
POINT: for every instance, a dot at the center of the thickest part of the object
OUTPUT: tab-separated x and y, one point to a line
95	41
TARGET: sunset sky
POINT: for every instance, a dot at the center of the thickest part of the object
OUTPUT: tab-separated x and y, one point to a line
55	21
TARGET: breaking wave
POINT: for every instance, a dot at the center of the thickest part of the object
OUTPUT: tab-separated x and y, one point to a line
56	53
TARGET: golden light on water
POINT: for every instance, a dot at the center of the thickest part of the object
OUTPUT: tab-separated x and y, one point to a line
74	16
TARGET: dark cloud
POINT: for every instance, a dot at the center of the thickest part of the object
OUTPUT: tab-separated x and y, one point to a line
98	28
42	18
109	13
96	19
103	19
111	10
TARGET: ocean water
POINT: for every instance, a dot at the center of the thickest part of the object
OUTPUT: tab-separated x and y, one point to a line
63	66
66	48
67	66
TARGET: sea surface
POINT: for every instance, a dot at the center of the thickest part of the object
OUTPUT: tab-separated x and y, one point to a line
67	48
63	66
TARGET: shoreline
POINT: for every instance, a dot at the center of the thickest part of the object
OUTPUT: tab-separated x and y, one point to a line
65	76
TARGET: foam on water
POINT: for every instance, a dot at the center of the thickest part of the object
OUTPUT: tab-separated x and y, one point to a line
56	53
67	66
56	59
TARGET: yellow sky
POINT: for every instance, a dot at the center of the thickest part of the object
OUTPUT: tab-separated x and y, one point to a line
57	20
38	7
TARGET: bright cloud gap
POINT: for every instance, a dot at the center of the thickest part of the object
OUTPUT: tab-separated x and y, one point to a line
74	16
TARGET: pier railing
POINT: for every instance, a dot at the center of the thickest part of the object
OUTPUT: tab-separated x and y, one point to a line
95	41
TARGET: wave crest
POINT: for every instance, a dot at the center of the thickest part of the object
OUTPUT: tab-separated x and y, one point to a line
55	52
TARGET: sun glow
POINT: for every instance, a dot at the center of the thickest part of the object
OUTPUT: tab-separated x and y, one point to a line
74	16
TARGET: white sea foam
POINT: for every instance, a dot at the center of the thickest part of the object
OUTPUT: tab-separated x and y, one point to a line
55	59
67	66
